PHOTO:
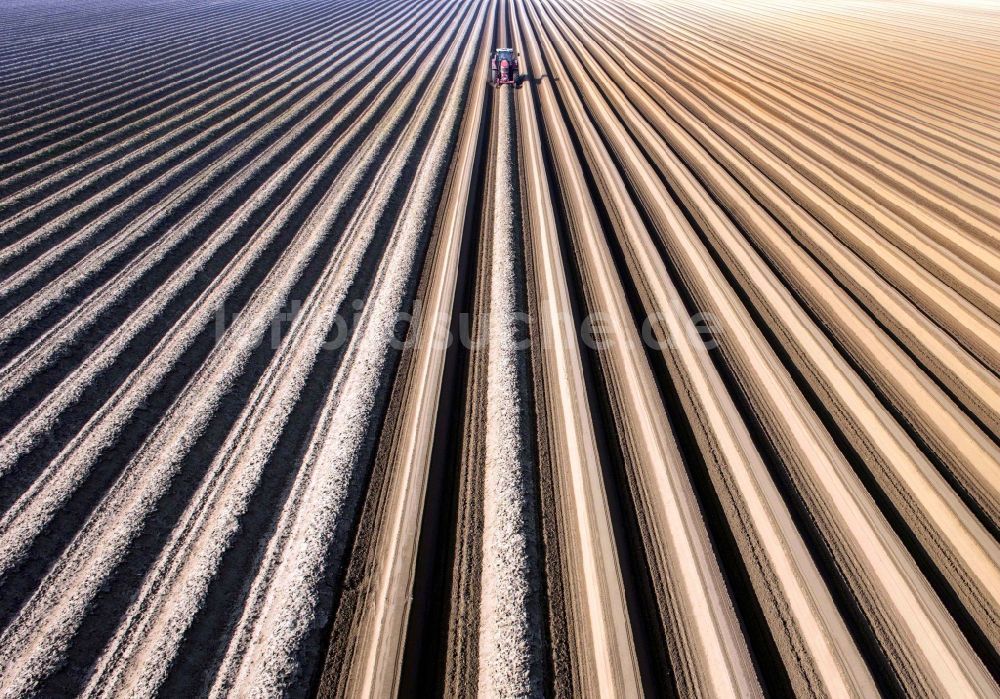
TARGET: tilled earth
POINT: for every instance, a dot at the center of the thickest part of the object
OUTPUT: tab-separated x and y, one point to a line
328	367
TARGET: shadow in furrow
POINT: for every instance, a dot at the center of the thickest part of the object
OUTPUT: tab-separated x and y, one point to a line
764	652
126	92
106	322
656	674
77	60
977	637
425	653
23	474
205	642
17	587
359	529
110	179
771	669
763	648
60	140
112	229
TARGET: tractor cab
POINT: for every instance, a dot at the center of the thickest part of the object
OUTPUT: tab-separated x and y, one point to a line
503	65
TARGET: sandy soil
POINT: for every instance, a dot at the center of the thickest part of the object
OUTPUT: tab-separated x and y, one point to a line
200	495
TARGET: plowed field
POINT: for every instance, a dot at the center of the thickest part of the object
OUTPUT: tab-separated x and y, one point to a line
327	367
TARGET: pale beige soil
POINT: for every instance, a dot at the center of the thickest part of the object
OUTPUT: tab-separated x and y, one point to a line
201	496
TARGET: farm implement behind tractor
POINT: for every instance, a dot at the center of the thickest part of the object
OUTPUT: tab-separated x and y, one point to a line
503	63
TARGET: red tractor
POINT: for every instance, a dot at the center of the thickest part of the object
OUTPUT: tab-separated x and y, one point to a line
503	63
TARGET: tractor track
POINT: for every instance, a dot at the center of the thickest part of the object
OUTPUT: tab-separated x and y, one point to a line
718	413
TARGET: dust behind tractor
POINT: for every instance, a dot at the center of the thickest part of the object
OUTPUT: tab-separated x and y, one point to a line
503	63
